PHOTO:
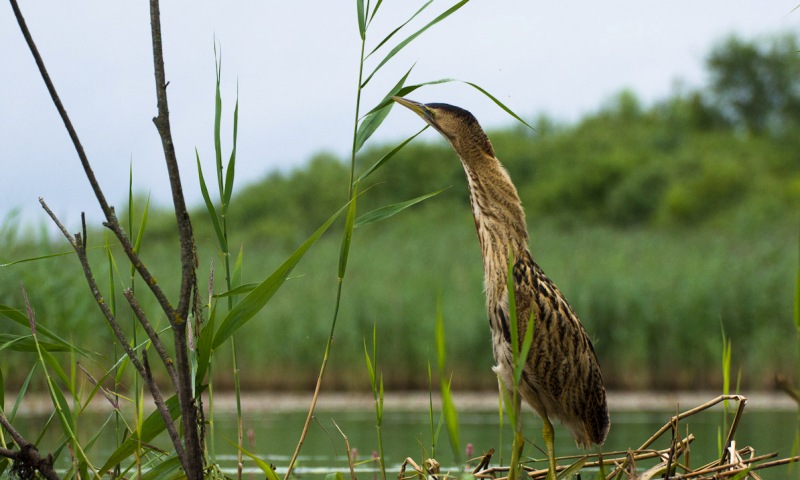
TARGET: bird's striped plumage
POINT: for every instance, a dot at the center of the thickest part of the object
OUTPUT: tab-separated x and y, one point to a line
561	378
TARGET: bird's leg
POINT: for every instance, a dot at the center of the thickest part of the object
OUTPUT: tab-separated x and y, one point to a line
547	432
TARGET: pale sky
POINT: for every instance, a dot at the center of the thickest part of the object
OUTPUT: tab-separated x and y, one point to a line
296	68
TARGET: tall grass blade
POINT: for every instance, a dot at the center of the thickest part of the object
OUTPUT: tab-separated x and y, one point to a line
376	382
410	88
250	305
391	34
385	158
347	236
393	209
25	343
266	469
212	211
373	119
236	276
240	290
573	469
112	266
527	341
231	169
499	104
218	117
19	317
374	11
152	426
411	38
448	407
167	470
137	246
40	257
204	346
362	19
21	394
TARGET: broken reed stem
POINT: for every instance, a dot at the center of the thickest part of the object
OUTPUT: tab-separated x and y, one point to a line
626	460
619	454
349	456
688	413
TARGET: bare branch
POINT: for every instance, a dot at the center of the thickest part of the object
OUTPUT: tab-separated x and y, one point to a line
162	408
188	288
153	335
80	249
177	317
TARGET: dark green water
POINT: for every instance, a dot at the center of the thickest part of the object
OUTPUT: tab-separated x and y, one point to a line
273	436
404	434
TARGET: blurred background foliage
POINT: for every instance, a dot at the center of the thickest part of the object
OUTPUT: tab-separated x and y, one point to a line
661	223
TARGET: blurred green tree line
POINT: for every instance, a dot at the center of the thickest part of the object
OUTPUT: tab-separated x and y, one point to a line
661	223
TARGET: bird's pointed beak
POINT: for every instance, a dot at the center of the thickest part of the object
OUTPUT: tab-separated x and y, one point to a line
416	107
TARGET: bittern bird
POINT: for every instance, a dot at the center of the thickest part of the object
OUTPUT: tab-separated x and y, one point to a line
561	378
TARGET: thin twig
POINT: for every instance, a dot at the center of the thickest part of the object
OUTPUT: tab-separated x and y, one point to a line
152	334
80	249
162	407
108	211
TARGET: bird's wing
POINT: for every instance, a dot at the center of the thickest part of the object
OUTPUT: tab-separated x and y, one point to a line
562	367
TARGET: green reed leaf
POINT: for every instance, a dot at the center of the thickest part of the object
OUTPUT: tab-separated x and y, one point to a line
40	257
231	168
250	305
373	119
391	34
572	470
218	118
374	11
204	346
266	469
20	318
212	211
347	236
168	469
152	426
362	15
411	38
393	209
241	289
389	155
499	104
137	246
25	343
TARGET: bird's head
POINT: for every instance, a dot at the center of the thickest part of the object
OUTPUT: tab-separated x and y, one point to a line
457	125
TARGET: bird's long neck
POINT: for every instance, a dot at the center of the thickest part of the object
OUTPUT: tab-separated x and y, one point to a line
498	214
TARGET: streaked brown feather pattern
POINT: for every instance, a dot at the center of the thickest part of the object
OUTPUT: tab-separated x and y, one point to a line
562	378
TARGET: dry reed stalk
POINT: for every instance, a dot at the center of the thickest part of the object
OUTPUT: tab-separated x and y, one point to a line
732	462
